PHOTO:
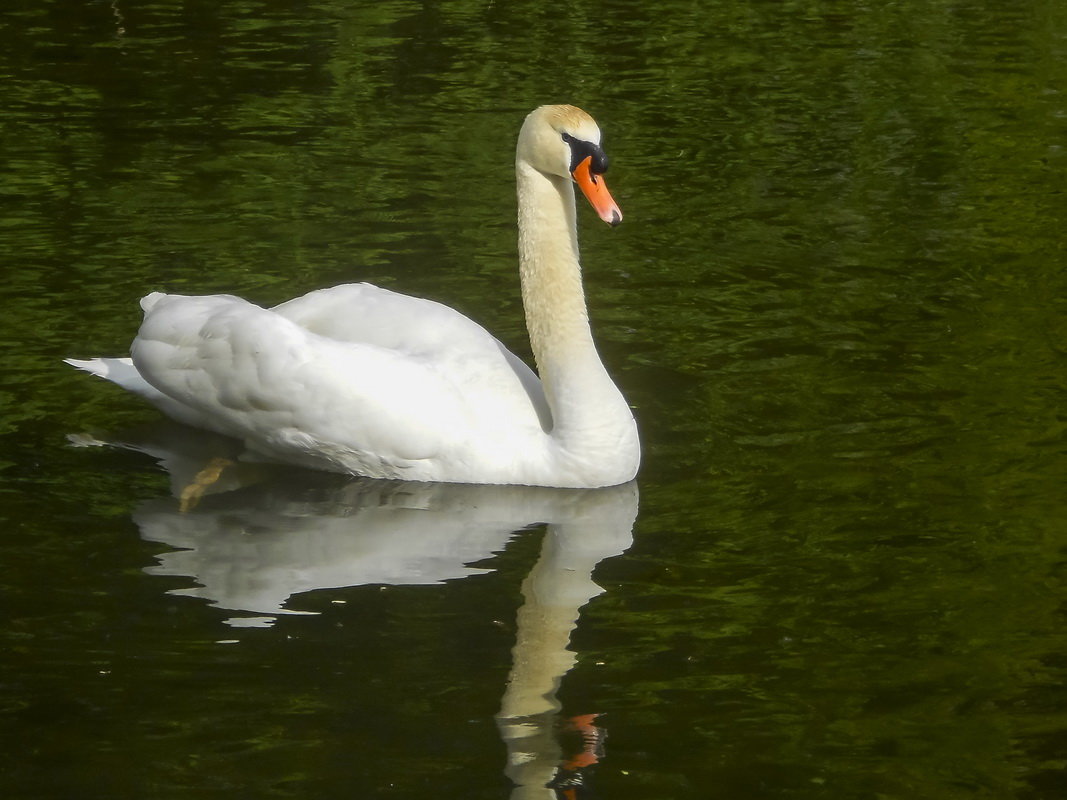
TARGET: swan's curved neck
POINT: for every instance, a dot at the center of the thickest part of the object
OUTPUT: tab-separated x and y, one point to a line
579	391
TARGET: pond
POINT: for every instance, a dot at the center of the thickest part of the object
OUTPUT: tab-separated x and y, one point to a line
837	306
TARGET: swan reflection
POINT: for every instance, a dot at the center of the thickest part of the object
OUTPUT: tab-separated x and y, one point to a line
254	535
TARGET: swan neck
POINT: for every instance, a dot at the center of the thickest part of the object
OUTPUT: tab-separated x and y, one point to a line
551	276
591	421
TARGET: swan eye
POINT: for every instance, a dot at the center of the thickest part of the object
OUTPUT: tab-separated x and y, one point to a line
581	150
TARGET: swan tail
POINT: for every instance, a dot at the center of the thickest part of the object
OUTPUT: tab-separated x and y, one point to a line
117	370
121	372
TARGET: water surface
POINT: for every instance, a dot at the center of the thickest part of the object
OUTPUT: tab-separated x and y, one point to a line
836	304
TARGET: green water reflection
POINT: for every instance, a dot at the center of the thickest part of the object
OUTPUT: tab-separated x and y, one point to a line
837	305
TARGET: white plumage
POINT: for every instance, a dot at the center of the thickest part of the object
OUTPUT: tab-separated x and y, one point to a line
362	380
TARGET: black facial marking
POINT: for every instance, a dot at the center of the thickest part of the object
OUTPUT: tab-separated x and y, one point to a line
581	149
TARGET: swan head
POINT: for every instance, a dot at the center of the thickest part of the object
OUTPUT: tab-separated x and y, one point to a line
564	141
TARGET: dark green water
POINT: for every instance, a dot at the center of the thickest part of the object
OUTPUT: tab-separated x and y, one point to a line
837	305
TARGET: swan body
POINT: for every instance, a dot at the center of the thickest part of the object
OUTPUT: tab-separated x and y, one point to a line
362	380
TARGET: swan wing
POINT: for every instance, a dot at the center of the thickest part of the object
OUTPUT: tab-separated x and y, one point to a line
293	394
286	392
425	329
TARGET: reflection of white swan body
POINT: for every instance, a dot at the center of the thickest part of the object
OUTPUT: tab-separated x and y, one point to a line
253	550
263	534
362	380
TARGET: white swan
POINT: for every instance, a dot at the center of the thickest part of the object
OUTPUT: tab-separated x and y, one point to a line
362	380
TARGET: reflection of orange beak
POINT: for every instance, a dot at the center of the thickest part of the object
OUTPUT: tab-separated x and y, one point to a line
596	192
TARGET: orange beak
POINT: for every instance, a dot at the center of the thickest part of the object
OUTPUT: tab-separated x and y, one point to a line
596	192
